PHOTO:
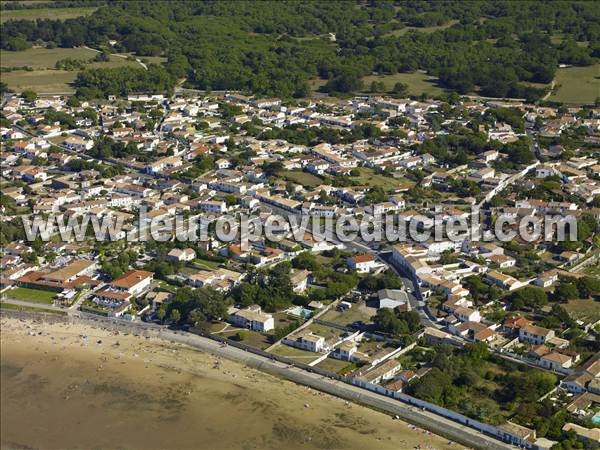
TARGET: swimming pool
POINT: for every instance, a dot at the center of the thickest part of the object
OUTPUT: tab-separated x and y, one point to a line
300	312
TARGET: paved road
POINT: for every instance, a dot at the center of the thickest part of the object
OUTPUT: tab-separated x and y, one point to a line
416	304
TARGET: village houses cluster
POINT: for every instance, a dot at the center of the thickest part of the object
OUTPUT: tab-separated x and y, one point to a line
192	155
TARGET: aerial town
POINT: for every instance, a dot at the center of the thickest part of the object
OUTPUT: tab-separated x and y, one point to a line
502	337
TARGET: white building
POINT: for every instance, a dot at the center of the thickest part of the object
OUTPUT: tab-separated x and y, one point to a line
253	318
178	255
362	263
306	340
534	334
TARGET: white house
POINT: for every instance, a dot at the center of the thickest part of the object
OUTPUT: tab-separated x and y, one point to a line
392	298
534	334
178	255
556	361
78	144
253	318
213	206
306	340
362	263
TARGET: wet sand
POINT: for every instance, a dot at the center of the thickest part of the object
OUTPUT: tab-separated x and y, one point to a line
70	386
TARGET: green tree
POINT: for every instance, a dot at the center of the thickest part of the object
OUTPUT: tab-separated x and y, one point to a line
29	95
175	315
531	296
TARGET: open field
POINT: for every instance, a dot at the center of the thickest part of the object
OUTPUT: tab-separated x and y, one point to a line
333	365
369	177
304	178
42	58
358	312
30	295
577	84
40	80
587	310
45	78
46	13
418	82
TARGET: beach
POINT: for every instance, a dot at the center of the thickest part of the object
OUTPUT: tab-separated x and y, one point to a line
68	386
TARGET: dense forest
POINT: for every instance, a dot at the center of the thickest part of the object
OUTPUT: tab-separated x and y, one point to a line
497	48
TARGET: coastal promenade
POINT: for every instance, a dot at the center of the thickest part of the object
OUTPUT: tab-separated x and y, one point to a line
424	419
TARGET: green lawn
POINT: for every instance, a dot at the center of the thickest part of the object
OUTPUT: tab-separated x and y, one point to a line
213	327
46	13
30	295
333	365
304	178
283	319
329	333
205	264
577	84
250	337
418	82
295	353
163	285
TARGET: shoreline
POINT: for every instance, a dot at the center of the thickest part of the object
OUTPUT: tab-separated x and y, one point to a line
101	355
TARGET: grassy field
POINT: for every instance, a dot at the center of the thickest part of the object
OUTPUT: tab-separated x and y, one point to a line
42	58
205	264
403	31
31	295
358	312
249	337
593	270
295	353
10	306
333	365
329	333
304	178
418	82
42	81
45	78
577	85
45	13
371	178
587	310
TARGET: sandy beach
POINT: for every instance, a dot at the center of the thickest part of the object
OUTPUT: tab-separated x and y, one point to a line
67	386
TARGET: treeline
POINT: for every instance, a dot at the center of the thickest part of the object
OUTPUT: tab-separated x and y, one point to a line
12	6
98	83
461	380
495	48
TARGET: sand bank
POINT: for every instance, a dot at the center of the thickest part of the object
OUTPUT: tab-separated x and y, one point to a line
75	386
